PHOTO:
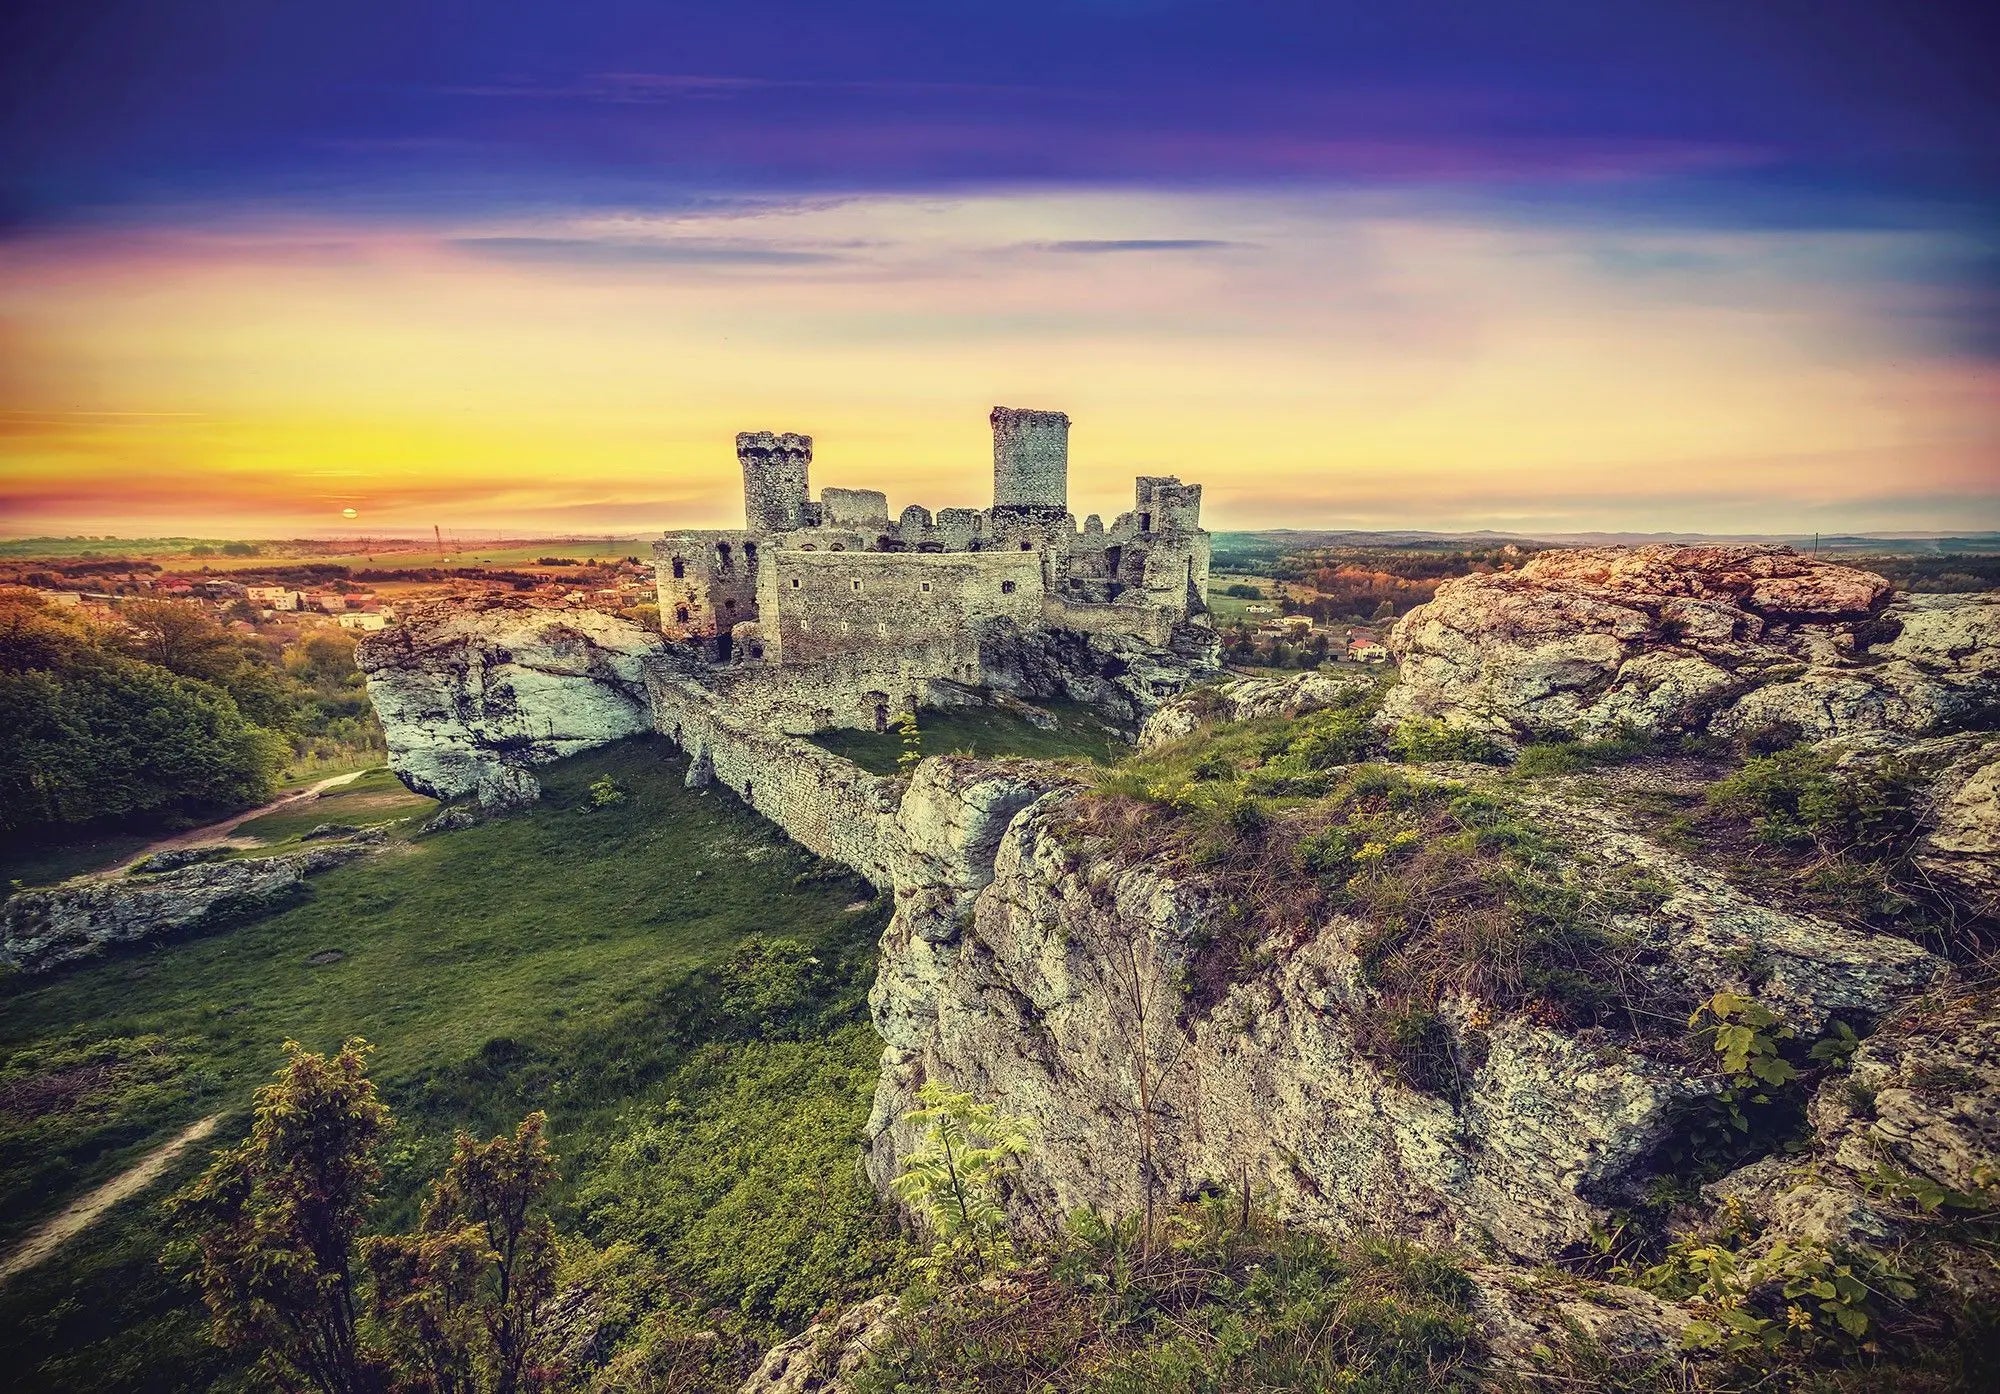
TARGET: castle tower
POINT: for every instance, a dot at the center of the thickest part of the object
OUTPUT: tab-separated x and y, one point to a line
1030	458
774	479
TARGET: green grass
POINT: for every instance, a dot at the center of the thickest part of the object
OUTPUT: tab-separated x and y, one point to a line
43	864
989	731
376	797
552	960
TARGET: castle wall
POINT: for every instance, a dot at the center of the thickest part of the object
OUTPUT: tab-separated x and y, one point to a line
825	803
908	610
707	584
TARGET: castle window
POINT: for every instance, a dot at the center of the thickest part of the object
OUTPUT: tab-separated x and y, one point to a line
856	584
1145	522
722	550
680	614
1026	545
927	586
730	606
1006	588
750	553
882	628
756	650
806	547
680	569
839	547
795	583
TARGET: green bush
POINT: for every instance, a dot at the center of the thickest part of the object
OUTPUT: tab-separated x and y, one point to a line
1800	798
1417	741
1226	1302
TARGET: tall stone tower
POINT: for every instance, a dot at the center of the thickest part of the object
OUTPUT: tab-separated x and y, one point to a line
774	479
1030	458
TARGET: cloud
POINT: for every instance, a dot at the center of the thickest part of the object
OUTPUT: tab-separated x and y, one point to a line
590	251
1139	244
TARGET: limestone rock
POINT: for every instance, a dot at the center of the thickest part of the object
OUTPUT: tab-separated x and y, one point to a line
40	929
1121	675
472	693
1245	699
1527	1315
1668	638
820	1358
1057	988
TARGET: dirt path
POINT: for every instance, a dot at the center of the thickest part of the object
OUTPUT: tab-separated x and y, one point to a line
83	1212
219	832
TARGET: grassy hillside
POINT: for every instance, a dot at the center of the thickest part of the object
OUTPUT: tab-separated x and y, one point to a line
668	955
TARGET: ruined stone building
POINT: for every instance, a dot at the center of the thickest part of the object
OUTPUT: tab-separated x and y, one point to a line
830	612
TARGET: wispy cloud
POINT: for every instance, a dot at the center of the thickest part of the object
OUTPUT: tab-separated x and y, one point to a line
1139	244
590	251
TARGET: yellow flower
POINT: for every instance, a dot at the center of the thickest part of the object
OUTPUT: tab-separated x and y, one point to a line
1798	1318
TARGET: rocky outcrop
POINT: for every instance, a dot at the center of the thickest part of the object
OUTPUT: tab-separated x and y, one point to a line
1246	699
1121	675
820	1358
41	929
1053	977
472	694
1666	638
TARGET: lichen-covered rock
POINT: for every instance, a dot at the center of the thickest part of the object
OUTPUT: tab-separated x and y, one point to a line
1057	988
471	694
1667	638
41	929
1961	842
1532	1317
1245	699
820	1358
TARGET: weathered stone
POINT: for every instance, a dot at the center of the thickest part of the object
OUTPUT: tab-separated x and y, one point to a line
471	693
40	929
1532	1317
176	857
1039	988
1246	699
820	1358
1665	638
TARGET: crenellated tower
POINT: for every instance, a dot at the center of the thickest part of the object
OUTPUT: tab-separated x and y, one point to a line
775	484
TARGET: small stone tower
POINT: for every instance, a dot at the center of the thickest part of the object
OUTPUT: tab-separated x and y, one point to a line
1030	458
774	480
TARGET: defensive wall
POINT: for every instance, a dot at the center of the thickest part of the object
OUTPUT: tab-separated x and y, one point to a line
825	803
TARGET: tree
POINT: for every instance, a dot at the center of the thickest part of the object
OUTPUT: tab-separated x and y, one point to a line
462	1298
457	1304
181	637
905	725
953	1178
278	1217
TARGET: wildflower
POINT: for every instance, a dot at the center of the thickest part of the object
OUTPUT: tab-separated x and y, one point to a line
1798	1318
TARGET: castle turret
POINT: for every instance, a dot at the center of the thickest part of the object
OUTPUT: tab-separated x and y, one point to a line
774	479
1030	458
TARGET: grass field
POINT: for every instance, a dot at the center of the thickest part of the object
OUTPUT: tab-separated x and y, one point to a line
547	960
375	797
1079	732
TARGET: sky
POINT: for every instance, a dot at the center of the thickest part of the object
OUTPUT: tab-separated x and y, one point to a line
1523	266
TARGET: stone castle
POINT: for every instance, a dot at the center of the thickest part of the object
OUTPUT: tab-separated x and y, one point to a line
832	613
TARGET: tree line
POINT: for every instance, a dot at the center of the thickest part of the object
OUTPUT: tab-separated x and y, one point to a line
165	711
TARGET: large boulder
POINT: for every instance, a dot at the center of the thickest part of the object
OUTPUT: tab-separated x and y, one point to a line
1246	699
471	694
1666	639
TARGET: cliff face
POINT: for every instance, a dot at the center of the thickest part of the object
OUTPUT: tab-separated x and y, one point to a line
1667	639
1059	987
472	694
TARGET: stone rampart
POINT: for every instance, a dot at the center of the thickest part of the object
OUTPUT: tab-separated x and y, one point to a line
824	803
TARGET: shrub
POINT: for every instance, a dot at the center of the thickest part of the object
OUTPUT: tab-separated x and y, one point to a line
1418	740
1799	798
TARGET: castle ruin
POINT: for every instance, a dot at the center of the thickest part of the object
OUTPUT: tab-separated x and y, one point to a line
832	613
